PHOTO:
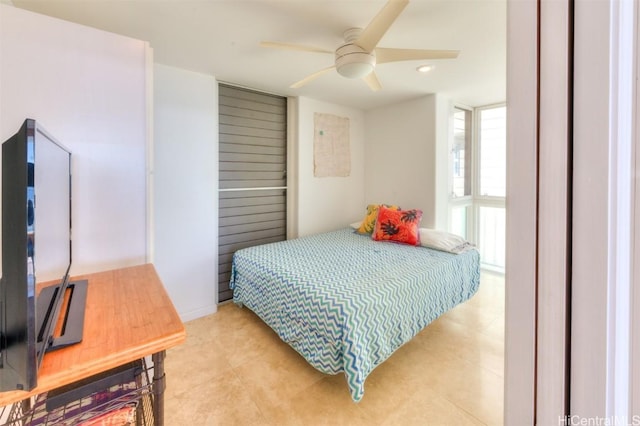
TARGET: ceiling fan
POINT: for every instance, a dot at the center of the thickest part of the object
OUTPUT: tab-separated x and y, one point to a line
359	55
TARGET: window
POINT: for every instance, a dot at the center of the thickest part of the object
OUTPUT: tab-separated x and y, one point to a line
478	188
460	166
461	153
459	220
491	236
493	154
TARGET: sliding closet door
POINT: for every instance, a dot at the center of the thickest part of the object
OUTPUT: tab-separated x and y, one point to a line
252	181
539	221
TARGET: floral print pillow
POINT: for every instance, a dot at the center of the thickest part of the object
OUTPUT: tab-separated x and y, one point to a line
400	226
369	221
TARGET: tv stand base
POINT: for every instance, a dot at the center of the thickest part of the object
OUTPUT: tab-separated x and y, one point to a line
70	321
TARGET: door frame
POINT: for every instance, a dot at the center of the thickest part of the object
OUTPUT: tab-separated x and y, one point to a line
599	339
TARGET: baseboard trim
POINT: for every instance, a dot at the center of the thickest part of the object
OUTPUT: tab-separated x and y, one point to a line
198	313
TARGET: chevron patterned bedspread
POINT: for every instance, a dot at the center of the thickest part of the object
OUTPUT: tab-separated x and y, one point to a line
346	302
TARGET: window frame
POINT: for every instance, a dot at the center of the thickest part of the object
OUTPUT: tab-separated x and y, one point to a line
475	201
465	201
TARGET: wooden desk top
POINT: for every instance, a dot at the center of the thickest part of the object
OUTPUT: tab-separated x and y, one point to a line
128	316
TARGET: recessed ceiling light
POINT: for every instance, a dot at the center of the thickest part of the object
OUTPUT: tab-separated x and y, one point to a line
424	68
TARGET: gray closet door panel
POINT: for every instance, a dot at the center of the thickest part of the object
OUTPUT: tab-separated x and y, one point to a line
256	218
236	157
267	105
252	149
251	210
224	292
252	198
249	236
253	227
250	140
251	184
236	94
253	167
240	123
252	174
251	131
244	175
278	199
251	193
225	258
262	116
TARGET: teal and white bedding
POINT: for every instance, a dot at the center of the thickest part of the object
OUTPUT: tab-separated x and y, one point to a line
346	302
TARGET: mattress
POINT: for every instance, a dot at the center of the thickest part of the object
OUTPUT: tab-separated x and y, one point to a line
346	302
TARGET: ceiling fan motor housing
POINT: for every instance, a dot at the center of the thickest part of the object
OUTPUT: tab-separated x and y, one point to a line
353	61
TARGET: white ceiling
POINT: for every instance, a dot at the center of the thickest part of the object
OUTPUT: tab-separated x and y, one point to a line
221	38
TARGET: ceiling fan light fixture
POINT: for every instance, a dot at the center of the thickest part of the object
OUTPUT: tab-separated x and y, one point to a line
355	69
353	62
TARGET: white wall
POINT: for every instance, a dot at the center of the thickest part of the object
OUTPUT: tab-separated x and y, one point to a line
185	188
87	88
442	159
402	143
329	203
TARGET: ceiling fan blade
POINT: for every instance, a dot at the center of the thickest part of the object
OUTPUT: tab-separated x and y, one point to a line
372	81
371	35
311	77
384	55
292	46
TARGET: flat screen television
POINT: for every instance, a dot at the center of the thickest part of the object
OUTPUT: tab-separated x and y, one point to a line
36	247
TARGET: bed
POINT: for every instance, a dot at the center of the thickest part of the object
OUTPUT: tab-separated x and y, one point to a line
346	302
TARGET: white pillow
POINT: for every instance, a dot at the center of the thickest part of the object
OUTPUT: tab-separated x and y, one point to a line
444	241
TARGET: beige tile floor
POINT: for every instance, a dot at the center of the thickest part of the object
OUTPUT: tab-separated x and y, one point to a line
234	370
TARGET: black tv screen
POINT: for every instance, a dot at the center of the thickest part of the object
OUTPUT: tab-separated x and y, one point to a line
36	247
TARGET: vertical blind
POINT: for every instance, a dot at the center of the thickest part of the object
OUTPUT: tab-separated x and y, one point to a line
252	174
